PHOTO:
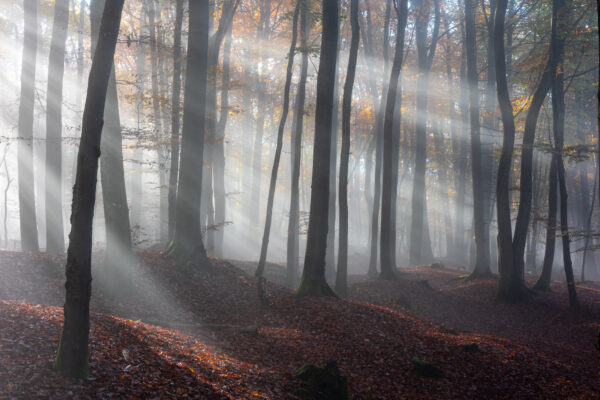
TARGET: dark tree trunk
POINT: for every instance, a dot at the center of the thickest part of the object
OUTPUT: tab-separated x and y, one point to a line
296	145
55	240
388	224
27	216
560	18
72	357
341	281
175	110
187	246
543	282
420	246
117	256
482	248
511	286
313	276
284	113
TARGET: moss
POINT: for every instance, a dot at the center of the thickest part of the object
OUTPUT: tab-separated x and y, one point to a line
426	369
323	383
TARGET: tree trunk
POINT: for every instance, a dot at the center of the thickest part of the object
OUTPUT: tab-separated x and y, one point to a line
72	356
296	151
420	246
511	286
341	282
27	211
284	113
187	246
560	17
117	256
175	110
313	276
543	282
55	240
388	224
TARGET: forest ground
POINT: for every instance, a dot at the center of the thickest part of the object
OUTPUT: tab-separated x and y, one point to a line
205	335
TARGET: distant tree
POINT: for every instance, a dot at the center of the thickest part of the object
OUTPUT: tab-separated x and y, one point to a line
420	243
296	149
284	113
388	225
55	241
187	246
27	216
175	119
341	281
482	247
72	357
118	253
313	276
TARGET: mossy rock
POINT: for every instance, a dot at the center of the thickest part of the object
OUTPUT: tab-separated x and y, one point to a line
471	347
323	383
425	369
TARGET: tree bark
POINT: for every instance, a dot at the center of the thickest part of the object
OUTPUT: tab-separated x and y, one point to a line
388	224
72	357
55	241
187	246
341	281
511	286
27	210
313	276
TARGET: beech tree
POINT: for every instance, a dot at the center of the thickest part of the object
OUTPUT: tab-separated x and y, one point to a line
313	275
72	356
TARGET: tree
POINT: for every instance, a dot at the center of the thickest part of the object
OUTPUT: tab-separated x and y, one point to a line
27	217
284	113
72	356
420	245
341	282
482	267
175	109
313	275
511	285
296	149
187	246
117	255
55	242
388	224
560	20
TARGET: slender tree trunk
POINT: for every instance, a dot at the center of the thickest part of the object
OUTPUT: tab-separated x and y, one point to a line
55	240
543	282
388	224
482	248
313	276
284	113
118	256
263	36
560	18
420	245
27	211
296	152
341	282
175	110
72	357
187	244
511	286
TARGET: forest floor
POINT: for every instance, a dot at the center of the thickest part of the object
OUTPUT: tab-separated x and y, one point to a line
205	335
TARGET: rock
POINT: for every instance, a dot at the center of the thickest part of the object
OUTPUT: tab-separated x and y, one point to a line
323	383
